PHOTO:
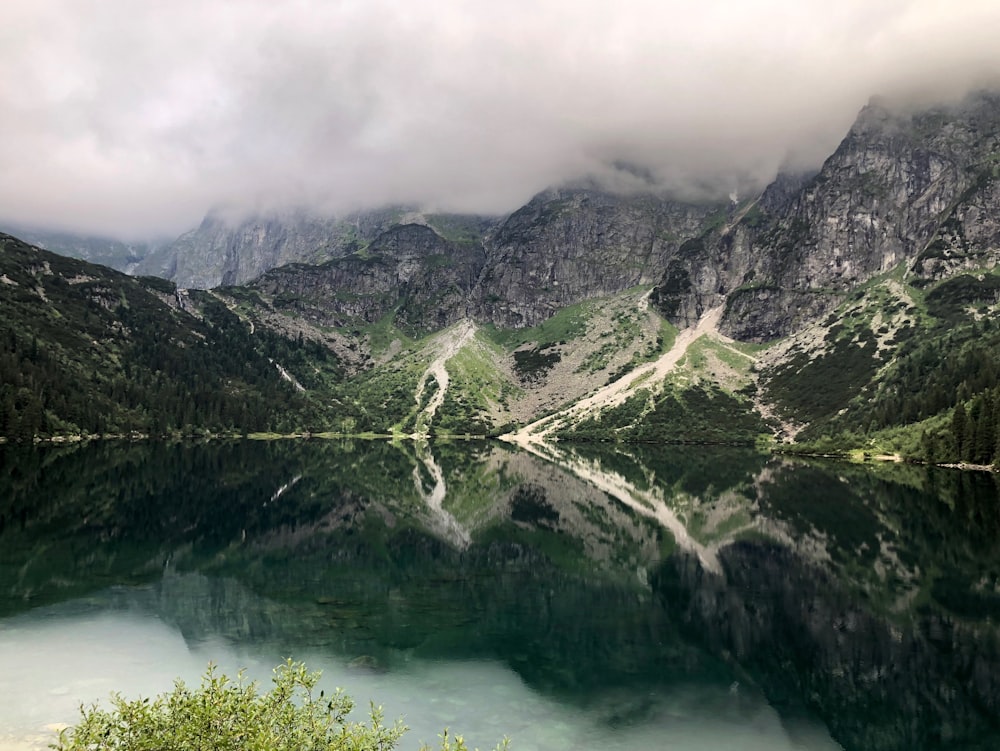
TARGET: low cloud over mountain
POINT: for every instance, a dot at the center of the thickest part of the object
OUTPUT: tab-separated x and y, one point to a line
132	119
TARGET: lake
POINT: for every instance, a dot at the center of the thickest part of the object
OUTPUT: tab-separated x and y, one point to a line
590	597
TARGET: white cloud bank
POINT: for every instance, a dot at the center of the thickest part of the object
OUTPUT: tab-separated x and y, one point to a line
133	118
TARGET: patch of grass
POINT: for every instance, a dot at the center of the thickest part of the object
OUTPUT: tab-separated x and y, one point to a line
951	300
815	387
755	218
567	324
478	390
624	332
714	221
599	358
666	337
703	347
459	228
383	332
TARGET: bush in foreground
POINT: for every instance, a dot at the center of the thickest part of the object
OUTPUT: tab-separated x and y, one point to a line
228	715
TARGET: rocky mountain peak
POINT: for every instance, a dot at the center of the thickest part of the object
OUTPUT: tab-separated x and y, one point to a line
878	201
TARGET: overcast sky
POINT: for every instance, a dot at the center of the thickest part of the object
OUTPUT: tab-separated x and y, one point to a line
134	117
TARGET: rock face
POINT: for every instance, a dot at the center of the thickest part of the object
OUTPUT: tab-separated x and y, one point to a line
569	245
900	186
223	252
563	247
409	269
217	252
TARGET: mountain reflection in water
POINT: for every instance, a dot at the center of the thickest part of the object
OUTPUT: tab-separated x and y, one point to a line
650	596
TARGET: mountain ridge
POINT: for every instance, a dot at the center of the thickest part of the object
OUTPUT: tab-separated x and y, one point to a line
878	200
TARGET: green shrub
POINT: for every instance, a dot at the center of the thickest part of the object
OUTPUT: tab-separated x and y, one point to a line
227	715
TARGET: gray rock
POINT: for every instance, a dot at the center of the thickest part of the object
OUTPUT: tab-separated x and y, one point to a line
570	245
409	270
563	247
897	180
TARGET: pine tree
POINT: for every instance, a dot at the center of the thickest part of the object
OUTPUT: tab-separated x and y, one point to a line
958	423
985	438
969	440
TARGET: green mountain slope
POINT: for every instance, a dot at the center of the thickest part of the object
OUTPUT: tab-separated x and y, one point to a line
902	367
87	350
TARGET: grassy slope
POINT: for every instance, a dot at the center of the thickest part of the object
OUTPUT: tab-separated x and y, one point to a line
885	372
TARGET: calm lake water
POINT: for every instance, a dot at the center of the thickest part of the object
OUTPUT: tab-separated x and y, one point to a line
598	598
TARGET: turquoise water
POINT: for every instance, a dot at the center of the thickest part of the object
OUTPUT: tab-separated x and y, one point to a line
644	599
78	656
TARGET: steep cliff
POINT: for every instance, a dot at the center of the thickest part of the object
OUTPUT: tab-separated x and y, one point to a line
569	245
409	270
224	251
565	246
901	185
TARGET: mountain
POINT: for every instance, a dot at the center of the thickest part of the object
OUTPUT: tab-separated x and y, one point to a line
901	186
225	251
119	255
576	244
408	271
564	247
850	308
88	350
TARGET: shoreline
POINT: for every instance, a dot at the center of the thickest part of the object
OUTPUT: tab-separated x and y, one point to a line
522	440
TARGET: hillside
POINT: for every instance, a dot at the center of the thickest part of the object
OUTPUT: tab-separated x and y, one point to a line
87	350
119	255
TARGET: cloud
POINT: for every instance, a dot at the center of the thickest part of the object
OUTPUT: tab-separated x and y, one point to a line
135	118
